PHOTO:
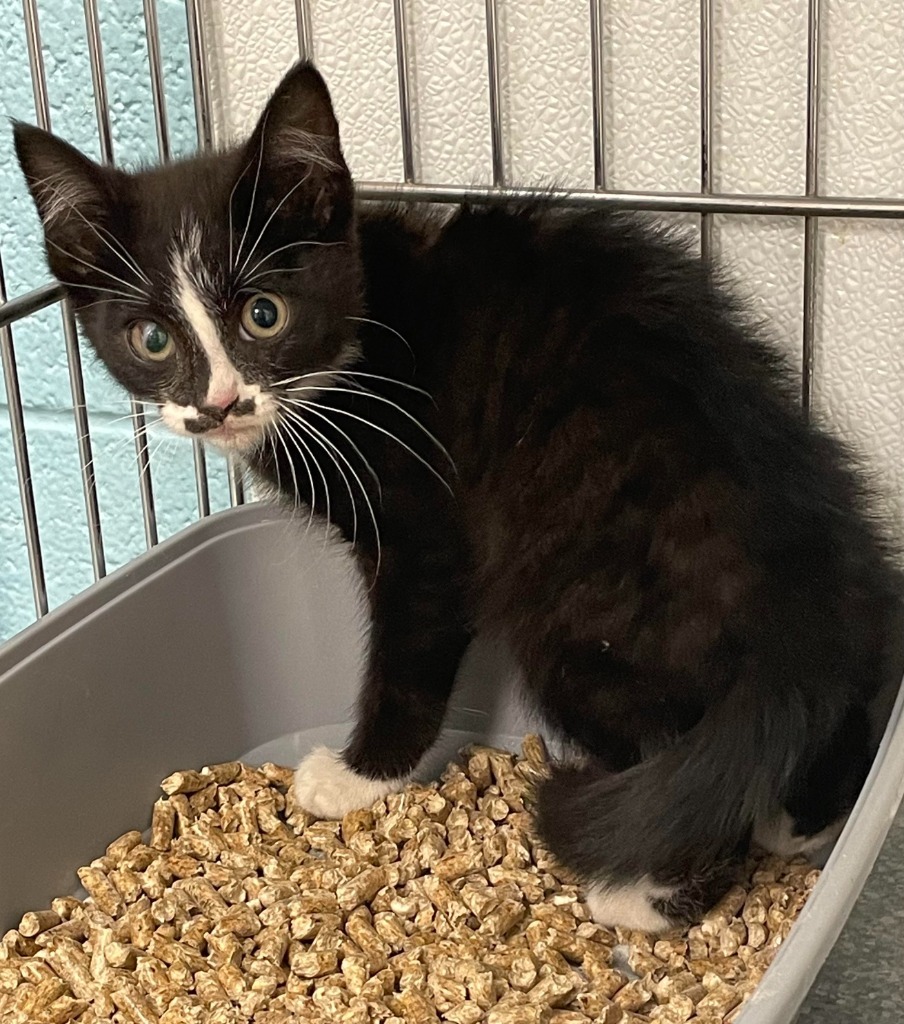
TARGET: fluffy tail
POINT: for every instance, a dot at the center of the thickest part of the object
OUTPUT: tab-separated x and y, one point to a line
658	843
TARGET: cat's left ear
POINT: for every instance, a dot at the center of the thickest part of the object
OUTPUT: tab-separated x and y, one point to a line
297	140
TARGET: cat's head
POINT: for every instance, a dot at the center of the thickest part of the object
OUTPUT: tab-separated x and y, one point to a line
207	285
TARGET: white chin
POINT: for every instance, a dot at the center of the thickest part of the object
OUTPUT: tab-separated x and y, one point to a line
246	441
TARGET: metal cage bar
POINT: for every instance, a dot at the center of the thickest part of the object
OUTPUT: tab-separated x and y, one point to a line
811	225
70	334
662	202
402	72
597	82
706	122
155	67
105	136
23	466
305	29
197	53
494	76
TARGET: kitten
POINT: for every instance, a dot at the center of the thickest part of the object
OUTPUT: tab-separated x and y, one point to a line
551	424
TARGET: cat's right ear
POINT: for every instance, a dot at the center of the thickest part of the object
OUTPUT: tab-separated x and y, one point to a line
71	192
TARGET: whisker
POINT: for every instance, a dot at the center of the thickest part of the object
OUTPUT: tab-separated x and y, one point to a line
257	174
290	245
386	401
124	255
268	432
362	488
358	452
231	197
388	380
295	495
270	273
98	288
120	252
344	412
330	449
392	330
293	433
269	221
122	299
313	505
135	290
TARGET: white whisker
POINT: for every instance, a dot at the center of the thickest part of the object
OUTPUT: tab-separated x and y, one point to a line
231	197
386	327
373	517
293	433
268	222
386	401
388	380
120	252
290	245
344	412
257	174
331	451
321	413
135	290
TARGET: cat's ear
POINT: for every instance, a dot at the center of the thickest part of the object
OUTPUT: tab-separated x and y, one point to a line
296	141
71	192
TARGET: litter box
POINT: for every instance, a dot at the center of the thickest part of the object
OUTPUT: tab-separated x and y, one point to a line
242	638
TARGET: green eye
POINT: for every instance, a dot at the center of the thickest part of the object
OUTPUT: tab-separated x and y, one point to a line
150	341
264	315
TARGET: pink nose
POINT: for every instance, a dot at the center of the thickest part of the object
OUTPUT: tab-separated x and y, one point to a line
224	399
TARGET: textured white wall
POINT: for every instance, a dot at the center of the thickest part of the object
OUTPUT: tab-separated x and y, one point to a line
652	137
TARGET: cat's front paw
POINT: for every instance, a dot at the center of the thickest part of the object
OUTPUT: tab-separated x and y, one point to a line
630	905
326	787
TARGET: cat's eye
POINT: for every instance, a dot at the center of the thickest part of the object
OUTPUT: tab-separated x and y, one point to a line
264	315
151	341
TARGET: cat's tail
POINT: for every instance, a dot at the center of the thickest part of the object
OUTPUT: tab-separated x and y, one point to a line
658	843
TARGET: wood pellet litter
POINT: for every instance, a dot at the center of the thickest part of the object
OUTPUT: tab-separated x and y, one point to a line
435	904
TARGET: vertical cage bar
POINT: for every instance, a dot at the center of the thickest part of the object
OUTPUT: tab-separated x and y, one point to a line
73	356
23	467
155	65
811	224
402	66
105	137
200	78
305	29
495	89
86	460
706	122
597	81
155	68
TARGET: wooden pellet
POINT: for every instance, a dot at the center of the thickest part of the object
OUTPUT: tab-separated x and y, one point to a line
436	903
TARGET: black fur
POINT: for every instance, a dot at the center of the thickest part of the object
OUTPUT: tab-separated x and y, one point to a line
688	572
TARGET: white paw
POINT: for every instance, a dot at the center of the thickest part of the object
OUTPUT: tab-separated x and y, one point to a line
777	836
628	906
326	787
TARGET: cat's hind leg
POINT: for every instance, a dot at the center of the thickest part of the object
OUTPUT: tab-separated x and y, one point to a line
658	843
821	791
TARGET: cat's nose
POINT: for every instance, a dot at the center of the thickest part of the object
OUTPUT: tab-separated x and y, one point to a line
223	400
217	412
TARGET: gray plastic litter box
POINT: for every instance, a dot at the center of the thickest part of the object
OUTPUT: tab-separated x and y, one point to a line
241	637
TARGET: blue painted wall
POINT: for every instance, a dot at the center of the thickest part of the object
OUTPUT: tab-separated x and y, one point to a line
38	340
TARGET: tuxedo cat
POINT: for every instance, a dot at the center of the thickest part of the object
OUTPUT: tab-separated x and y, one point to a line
551	424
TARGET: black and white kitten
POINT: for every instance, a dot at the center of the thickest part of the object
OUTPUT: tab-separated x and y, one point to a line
687	572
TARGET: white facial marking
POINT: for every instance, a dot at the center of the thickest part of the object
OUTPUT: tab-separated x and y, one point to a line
629	906
326	786
225	380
